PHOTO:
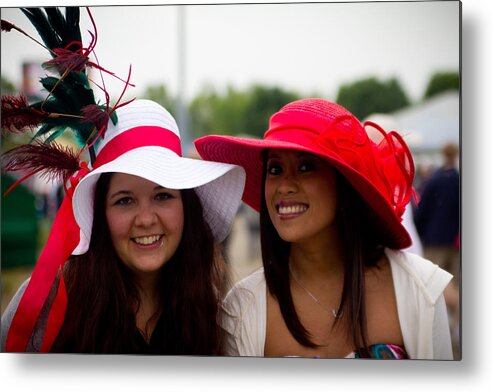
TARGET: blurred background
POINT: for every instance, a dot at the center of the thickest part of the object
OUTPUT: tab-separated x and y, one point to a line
225	69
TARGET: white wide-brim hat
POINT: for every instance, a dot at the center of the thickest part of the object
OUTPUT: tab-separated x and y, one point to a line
142	124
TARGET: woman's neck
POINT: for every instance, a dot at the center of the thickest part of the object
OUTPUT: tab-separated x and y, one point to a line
317	259
147	312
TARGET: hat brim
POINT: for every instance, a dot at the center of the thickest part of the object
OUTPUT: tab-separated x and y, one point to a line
247	152
218	185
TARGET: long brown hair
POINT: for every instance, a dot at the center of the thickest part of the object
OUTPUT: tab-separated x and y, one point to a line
361	249
102	294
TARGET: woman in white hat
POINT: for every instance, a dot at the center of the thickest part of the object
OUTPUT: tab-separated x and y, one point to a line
334	283
144	275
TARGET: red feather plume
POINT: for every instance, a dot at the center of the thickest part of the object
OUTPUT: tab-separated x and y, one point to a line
16	116
52	161
95	115
66	61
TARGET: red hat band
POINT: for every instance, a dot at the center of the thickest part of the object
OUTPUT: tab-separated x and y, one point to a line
141	136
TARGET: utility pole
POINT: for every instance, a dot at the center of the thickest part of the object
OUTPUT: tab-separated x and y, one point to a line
181	107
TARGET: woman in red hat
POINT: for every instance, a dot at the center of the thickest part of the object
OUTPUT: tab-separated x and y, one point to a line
334	283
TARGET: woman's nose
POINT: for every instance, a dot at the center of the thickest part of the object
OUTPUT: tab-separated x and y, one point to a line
145	216
288	184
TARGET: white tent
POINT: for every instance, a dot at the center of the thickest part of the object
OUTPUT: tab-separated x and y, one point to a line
428	125
432	123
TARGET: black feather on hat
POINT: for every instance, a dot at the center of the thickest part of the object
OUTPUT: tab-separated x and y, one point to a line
70	104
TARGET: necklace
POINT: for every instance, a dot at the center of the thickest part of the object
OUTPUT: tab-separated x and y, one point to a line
336	314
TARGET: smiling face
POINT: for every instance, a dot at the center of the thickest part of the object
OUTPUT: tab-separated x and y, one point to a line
145	222
301	196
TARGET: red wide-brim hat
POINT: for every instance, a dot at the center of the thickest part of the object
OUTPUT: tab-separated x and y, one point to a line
377	163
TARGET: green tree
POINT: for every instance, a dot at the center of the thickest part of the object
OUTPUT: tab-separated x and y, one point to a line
262	103
440	82
212	112
370	95
6	86
159	94
237	112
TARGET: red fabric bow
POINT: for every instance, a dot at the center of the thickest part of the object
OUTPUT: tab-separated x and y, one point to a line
396	167
382	158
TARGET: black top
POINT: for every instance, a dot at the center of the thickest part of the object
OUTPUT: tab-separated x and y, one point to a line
155	345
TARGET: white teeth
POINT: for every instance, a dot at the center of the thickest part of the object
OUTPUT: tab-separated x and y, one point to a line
292	209
147	240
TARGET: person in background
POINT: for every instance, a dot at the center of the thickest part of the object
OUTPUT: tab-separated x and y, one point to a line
437	215
437	219
334	283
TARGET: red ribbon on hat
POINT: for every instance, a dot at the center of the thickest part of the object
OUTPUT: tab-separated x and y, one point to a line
141	136
64	238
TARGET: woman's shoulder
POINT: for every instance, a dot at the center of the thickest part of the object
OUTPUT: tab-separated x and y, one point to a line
246	291
424	274
16	298
245	303
243	315
9	312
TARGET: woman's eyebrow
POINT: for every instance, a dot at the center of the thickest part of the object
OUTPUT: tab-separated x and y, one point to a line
304	154
121	192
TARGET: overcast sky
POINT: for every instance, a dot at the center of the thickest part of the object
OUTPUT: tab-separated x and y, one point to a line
311	48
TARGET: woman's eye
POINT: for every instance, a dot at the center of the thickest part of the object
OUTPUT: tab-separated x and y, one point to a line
124	201
164	196
274	169
307	166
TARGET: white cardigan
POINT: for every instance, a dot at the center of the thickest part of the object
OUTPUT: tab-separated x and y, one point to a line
418	284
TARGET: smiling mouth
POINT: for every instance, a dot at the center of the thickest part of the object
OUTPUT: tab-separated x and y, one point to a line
148	240
291	210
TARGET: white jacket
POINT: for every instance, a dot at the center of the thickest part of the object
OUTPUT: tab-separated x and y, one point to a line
418	284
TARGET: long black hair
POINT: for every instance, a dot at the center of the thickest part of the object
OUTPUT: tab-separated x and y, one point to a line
361	249
102	293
